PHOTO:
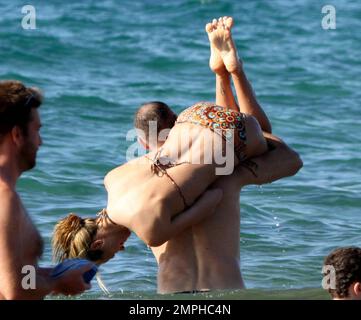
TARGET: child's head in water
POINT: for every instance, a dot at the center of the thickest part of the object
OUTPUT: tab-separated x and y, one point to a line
346	266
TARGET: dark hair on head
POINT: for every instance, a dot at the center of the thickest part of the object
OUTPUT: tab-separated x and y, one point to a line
16	102
347	265
154	111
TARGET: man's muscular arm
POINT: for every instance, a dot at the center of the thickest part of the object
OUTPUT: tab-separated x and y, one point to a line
279	162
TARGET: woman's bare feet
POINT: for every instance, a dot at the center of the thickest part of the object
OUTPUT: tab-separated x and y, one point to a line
223	49
215	61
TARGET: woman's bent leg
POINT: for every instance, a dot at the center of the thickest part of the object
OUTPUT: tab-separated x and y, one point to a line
255	142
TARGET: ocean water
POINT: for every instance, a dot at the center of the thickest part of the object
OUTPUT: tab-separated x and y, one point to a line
97	61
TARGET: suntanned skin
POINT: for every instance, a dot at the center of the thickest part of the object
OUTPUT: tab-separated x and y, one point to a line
153	208
150	205
20	242
14	217
207	255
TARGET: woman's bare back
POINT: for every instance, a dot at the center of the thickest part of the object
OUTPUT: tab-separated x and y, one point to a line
134	189
143	190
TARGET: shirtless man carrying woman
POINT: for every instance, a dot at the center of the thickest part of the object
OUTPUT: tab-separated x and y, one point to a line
163	193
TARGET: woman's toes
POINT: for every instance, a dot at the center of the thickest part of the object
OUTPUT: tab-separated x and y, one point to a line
214	23
209	27
229	22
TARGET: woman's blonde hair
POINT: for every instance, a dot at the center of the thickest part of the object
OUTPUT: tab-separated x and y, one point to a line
73	237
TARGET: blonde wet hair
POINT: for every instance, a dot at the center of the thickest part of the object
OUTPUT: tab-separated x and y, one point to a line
73	237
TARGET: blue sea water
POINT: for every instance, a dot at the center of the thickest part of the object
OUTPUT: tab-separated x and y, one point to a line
97	61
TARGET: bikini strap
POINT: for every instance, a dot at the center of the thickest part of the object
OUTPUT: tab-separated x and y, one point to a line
160	169
104	214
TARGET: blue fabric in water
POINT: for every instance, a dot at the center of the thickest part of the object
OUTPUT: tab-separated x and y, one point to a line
71	264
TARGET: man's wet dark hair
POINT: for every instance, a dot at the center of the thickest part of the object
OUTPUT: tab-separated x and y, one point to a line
154	111
347	264
16	102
